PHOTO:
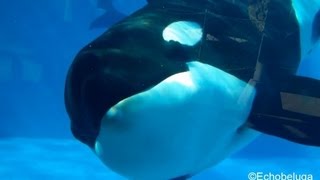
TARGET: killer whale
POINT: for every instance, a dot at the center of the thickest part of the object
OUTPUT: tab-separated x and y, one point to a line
126	75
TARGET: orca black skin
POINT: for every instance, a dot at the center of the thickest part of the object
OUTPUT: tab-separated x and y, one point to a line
256	41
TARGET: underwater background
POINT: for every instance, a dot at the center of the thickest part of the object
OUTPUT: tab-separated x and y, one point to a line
38	41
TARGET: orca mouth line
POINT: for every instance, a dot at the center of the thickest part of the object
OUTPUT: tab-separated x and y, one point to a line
100	77
92	88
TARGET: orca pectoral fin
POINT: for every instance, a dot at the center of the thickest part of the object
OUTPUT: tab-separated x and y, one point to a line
290	110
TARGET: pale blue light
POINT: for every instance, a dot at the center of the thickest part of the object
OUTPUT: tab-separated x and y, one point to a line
305	12
310	65
185	32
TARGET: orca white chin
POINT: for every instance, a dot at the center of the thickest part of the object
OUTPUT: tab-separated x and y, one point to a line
185	124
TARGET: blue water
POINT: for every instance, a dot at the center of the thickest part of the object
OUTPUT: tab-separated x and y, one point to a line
50	158
38	40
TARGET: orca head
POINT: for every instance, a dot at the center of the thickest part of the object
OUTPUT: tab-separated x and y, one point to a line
131	57
149	108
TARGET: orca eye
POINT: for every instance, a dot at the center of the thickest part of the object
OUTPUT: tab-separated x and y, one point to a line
185	32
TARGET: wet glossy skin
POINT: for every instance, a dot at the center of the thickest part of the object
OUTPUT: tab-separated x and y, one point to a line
132	56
